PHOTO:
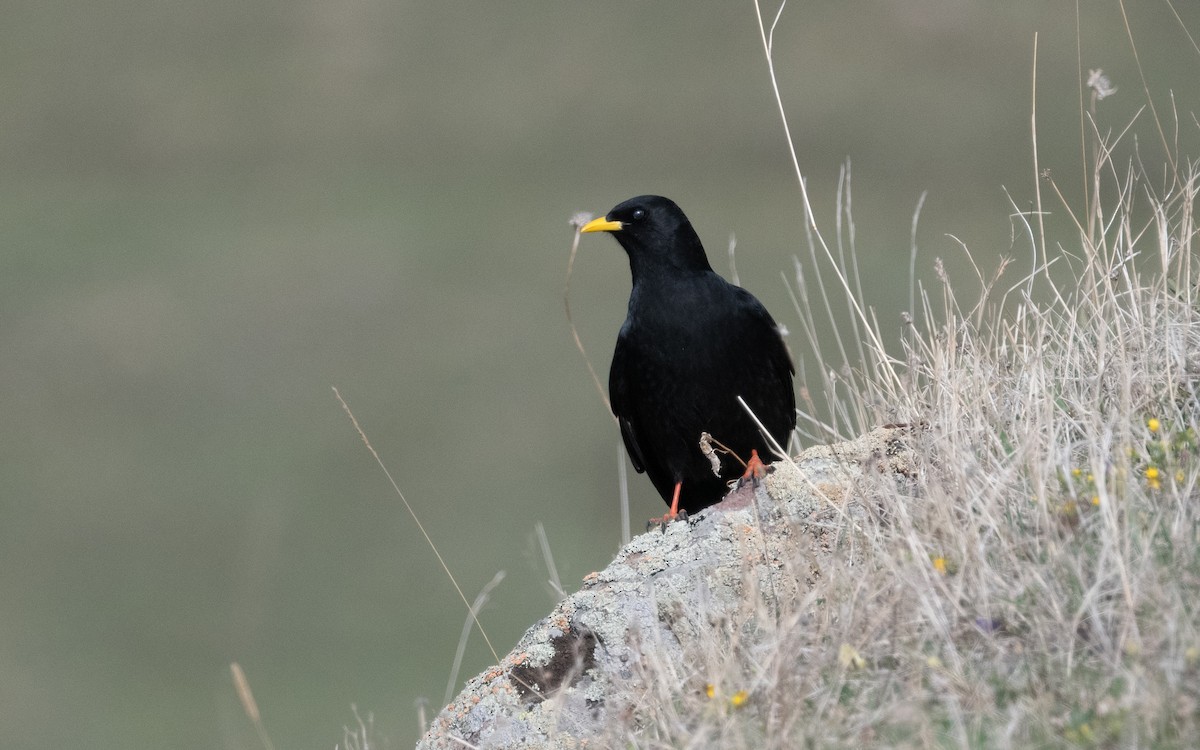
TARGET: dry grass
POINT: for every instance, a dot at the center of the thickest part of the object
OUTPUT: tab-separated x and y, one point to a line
1037	583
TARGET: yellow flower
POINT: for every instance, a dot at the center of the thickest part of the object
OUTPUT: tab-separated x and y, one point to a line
849	657
939	564
1153	424
710	690
1095	499
1179	477
1076	471
739	699
1152	473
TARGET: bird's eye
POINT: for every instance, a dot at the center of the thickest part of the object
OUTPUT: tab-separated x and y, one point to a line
639	214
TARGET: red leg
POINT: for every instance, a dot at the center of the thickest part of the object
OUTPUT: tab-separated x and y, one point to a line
674	503
755	469
661	523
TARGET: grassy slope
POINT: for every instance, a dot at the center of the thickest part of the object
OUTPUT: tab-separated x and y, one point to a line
1036	584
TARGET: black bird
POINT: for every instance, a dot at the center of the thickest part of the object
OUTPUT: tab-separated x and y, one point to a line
691	344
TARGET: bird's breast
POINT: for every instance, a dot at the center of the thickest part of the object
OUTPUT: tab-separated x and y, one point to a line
692	334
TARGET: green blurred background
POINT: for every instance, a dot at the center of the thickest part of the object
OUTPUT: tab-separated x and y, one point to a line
211	213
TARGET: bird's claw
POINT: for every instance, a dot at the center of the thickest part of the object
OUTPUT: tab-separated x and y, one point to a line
755	470
662	523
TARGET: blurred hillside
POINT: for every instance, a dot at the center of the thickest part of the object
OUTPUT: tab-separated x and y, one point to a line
211	213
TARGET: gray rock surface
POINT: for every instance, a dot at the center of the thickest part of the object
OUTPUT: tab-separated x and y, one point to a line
576	674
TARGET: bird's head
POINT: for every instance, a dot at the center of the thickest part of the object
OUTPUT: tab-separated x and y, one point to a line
655	233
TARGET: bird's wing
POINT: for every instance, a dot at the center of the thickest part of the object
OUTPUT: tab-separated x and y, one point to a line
631	444
780	357
766	337
618	397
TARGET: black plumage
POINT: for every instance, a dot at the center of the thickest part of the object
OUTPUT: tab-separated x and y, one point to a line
691	344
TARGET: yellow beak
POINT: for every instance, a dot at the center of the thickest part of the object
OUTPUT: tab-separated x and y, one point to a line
601	225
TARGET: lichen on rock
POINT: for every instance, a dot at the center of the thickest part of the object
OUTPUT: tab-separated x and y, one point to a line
581	671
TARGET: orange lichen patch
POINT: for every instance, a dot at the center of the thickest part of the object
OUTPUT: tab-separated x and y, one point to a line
835	492
518	659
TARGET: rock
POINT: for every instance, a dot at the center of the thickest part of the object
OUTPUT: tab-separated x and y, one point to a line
579	672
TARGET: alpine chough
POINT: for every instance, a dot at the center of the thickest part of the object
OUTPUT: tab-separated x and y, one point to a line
691	344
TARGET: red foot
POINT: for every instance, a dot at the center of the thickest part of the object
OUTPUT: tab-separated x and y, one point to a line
672	515
755	469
